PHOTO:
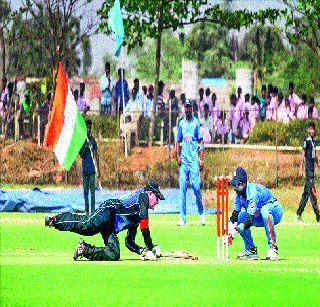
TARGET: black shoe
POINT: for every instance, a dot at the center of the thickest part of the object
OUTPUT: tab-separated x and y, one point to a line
49	221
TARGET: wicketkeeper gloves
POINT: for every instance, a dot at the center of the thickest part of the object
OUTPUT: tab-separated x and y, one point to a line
153	254
149	255
232	232
157	251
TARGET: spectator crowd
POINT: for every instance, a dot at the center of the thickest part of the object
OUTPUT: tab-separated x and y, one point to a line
219	124
21	117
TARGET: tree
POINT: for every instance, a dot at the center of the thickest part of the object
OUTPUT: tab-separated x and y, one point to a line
211	47
87	55
303	23
171	58
59	23
301	66
7	16
32	54
259	46
148	19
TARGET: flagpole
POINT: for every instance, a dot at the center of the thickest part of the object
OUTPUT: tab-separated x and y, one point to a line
124	115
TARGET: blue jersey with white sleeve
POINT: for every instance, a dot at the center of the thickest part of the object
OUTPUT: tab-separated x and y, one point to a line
189	135
257	196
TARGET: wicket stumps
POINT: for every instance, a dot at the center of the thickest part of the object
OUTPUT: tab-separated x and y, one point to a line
222	218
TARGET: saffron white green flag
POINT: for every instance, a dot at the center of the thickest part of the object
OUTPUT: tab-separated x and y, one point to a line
66	131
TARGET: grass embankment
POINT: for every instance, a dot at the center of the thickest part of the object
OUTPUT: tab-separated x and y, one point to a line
37	268
27	164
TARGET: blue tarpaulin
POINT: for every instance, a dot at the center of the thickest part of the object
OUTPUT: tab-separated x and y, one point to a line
71	200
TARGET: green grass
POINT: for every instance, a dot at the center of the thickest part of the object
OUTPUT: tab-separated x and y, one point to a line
37	267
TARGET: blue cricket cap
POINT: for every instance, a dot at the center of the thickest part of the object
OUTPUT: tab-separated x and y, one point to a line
239	177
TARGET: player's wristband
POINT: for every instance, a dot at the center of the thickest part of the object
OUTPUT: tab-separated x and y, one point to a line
201	147
200	161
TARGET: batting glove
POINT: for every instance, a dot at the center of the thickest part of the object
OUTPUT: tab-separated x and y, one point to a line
157	251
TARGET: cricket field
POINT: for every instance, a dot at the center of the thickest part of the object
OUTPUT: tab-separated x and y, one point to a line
37	268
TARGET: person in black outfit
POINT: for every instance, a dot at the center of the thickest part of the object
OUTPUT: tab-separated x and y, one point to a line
309	154
90	165
113	216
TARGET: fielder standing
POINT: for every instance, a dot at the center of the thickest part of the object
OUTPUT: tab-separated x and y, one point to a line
190	153
90	165
309	154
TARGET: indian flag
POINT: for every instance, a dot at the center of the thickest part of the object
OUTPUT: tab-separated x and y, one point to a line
66	130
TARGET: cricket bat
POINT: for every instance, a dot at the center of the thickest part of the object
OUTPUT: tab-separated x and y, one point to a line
179	254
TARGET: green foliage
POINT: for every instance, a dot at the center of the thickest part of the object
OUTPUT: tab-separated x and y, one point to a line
211	48
260	46
174	15
267	132
219	54
297	131
36	94
231	72
302	19
106	126
171	14
172	53
291	134
144	123
5	12
50	32
301	66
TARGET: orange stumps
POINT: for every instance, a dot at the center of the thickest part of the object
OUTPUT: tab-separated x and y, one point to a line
222	218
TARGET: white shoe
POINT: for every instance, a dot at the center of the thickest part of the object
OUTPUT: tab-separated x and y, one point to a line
203	219
182	223
248	254
272	254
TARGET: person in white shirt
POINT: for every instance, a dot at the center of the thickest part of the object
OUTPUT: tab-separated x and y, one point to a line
284	111
302	109
106	87
134	104
294	99
253	112
206	122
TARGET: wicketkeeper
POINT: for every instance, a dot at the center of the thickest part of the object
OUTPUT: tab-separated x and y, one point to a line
254	205
113	216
